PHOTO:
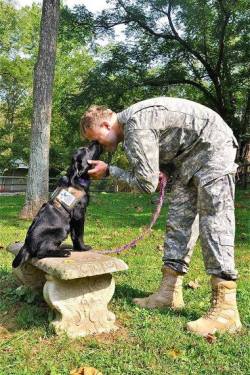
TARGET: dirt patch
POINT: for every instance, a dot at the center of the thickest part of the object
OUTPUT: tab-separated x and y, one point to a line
8	318
4	333
109	338
240	205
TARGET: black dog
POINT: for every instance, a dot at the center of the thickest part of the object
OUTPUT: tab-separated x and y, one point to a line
64	213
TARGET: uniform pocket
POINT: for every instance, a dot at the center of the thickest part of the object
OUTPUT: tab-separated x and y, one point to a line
226	240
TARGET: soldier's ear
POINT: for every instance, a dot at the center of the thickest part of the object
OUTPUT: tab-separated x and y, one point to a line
105	124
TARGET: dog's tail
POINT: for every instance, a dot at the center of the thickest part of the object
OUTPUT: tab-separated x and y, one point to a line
21	257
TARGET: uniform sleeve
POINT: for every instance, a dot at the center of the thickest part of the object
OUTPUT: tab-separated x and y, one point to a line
142	149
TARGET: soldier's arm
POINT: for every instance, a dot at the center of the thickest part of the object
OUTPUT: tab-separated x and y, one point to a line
142	149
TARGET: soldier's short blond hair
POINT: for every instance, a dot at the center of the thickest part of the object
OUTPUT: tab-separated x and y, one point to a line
93	117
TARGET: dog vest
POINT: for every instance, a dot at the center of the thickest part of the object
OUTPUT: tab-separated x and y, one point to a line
66	197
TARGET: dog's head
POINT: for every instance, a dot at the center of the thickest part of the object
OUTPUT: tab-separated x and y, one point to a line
78	172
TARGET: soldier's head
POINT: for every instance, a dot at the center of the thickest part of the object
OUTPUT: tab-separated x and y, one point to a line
100	124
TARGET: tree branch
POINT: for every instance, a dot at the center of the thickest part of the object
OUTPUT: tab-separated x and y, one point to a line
160	82
189	48
246	117
108	26
222	39
175	36
212	72
143	24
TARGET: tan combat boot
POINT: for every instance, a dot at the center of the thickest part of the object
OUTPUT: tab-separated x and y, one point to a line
223	315
169	293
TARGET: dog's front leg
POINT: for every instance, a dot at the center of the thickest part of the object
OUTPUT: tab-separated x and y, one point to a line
53	254
77	234
47	250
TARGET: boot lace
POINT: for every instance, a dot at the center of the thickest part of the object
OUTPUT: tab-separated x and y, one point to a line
214	310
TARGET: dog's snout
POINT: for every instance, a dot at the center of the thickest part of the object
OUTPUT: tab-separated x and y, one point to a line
80	163
96	149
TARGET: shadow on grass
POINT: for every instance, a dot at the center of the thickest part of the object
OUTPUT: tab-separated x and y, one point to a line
111	210
20	308
127	293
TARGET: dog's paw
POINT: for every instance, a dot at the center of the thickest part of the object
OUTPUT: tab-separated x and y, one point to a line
86	248
65	253
83	248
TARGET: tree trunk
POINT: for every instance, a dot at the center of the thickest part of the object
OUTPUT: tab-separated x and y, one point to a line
38	176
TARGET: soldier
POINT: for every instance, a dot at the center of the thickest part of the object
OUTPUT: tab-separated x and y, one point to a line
202	148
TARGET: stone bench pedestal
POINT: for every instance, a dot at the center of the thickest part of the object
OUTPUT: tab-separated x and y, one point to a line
77	288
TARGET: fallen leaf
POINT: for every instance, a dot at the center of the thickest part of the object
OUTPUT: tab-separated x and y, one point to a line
139	209
160	247
85	371
107	237
8	350
210	338
174	353
4	334
21	290
194	284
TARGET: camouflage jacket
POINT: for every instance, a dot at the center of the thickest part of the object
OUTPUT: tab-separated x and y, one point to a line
157	131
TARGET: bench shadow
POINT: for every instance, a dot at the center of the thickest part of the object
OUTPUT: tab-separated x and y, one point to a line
25	311
21	308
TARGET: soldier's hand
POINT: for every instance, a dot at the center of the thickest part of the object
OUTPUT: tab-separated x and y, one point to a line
99	169
159	183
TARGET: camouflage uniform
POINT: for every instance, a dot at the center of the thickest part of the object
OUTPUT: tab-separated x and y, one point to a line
202	149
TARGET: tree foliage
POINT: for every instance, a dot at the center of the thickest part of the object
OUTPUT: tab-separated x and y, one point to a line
196	49
193	48
18	48
19	35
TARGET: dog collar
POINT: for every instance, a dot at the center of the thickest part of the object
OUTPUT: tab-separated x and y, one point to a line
83	182
66	197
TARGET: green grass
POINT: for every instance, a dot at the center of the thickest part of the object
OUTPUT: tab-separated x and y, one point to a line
148	342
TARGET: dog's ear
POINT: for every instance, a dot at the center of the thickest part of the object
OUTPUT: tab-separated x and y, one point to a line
81	156
82	161
75	162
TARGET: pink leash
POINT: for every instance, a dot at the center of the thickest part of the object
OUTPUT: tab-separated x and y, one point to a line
163	183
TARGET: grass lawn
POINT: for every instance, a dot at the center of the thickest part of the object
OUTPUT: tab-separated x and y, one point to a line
148	342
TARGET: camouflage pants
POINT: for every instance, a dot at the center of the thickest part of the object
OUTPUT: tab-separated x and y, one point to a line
207	211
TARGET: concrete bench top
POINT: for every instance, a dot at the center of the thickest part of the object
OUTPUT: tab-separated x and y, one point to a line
78	265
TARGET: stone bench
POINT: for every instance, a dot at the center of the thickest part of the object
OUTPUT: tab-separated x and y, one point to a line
77	288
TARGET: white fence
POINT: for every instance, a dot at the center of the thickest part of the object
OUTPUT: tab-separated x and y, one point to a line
17	184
